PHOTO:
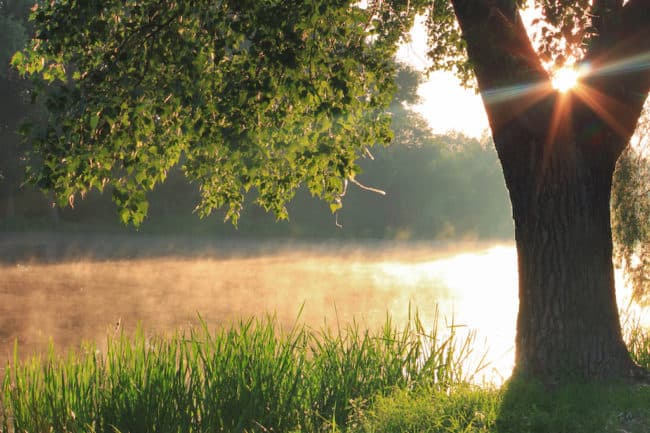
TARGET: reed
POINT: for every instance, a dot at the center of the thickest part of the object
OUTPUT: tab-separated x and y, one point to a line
638	343
252	376
256	376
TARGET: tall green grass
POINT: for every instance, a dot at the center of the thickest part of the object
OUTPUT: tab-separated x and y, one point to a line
255	376
519	406
249	377
638	343
462	409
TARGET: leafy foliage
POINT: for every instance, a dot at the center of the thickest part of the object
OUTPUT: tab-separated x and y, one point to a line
631	211
14	34
438	186
261	95
447	47
565	28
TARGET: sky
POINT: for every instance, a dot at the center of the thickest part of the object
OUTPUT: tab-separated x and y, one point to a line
445	104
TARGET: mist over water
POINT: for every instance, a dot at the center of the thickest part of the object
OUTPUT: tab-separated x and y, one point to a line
86	293
97	287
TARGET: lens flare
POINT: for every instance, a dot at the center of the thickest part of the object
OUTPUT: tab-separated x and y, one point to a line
564	79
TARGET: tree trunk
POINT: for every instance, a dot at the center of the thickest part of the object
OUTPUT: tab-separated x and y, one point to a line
558	154
568	324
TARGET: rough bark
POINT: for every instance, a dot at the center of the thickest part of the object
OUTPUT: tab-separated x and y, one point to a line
568	323
558	154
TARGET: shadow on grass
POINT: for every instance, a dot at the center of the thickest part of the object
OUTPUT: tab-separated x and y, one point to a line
580	408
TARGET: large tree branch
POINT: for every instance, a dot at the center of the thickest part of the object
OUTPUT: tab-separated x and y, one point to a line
619	57
601	9
503	57
607	4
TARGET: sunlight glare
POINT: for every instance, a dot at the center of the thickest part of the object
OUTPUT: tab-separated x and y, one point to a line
564	79
476	290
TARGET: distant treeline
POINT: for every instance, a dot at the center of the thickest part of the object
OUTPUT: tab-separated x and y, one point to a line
448	189
437	186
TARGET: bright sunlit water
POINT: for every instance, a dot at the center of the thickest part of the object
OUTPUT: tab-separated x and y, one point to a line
480	294
473	287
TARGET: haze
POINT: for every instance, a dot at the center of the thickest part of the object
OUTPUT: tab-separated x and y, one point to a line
442	236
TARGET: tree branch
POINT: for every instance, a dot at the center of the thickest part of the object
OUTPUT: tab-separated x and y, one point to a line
619	57
502	54
600	10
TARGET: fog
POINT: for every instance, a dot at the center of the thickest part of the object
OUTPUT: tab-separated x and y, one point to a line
86	292
69	289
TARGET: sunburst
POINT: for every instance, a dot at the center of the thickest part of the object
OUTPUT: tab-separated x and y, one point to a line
565	79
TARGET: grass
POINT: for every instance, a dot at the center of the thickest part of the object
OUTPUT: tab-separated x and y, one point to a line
638	343
257	377
251	377
576	408
518	407
463	408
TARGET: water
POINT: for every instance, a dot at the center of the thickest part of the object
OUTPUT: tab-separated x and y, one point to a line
67	301
480	294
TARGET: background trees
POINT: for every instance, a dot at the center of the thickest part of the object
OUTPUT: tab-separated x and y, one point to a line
631	210
13	36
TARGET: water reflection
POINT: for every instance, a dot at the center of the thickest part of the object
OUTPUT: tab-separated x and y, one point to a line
83	299
479	291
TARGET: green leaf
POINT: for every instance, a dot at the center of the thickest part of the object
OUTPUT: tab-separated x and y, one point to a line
17	60
94	119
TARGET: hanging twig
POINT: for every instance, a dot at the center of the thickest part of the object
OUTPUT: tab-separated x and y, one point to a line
367	188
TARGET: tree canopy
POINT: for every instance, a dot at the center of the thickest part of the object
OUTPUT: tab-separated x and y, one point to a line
631	211
246	94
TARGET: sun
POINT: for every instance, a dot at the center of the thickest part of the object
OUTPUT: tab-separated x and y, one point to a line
564	79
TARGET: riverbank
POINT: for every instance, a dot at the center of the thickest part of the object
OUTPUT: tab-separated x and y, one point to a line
256	377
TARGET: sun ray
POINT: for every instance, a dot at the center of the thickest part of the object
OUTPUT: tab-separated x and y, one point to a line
598	101
525	95
560	124
572	80
636	63
503	94
565	79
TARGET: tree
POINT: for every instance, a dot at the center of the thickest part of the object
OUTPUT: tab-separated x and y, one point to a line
558	153
13	18
631	211
270	94
262	95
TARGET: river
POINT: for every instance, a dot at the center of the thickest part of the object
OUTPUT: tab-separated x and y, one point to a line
82	297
